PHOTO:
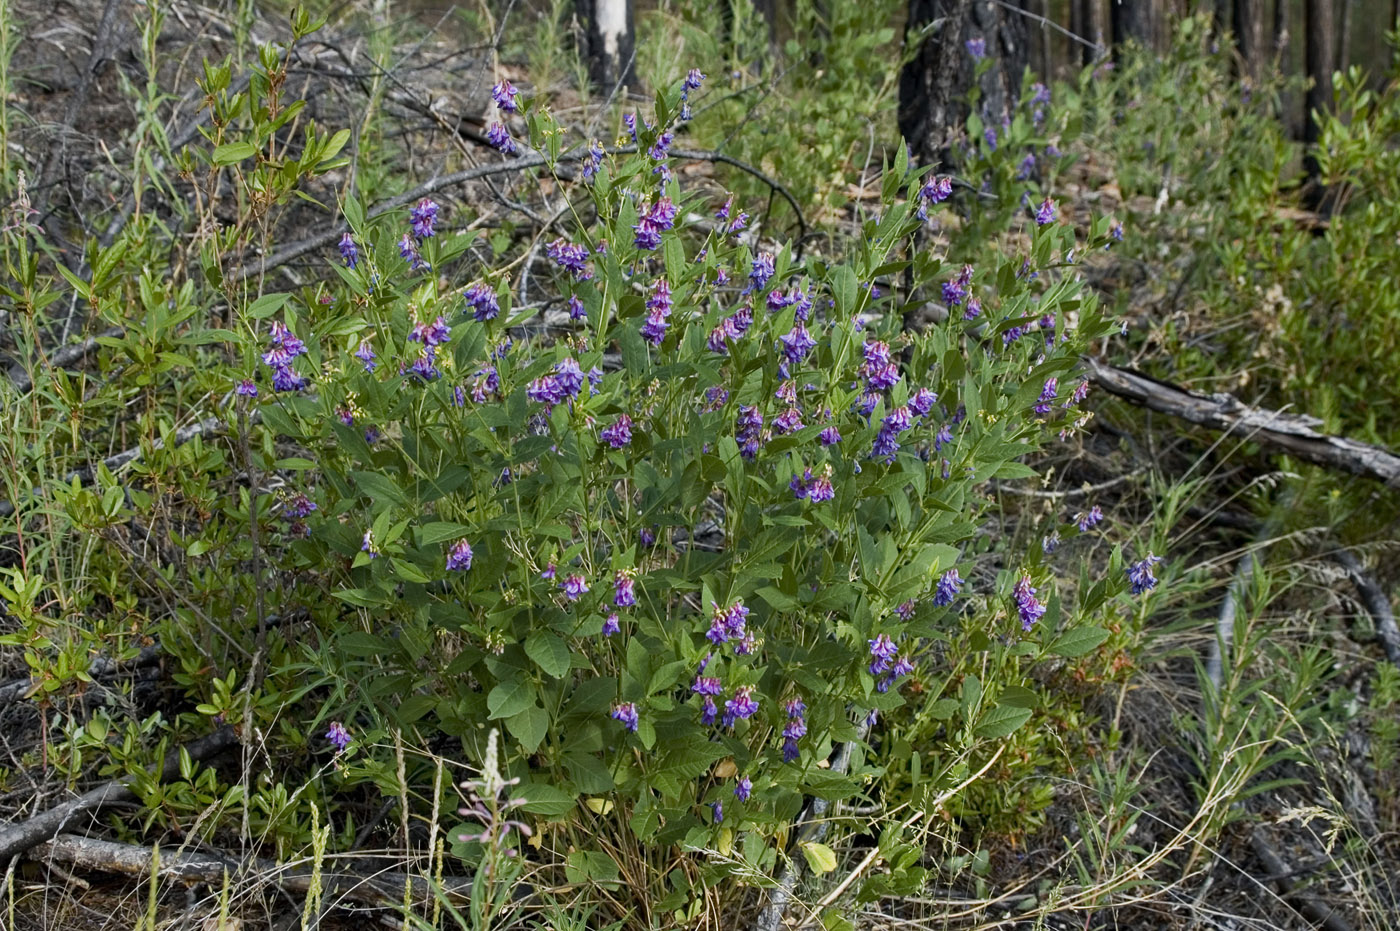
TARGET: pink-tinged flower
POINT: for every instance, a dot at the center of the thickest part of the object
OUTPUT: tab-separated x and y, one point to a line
548	572
1030	609
1047	396
1086	522
624	595
626	713
1045	213
611	625
741	706
338	736
619	433
882	653
574	586
482	300
246	388
459	558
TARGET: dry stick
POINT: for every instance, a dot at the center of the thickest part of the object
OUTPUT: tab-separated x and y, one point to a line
1308	904
532	160
1294	434
381	889
17	838
1375	601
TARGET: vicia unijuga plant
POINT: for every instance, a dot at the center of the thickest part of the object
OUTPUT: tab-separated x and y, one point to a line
695	514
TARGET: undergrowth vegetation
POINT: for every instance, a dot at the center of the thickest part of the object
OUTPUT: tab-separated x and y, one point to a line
629	513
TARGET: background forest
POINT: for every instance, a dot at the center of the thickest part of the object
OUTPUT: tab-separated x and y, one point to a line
591	465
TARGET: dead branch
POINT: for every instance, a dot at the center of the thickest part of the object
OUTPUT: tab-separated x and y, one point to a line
102	667
381	888
1294	434
18	838
1376	601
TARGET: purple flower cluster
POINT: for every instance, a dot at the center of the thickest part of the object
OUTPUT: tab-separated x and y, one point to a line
1045	213
728	624
624	592
459	558
748	431
348	251
482	300
1090	520
794	730
728	226
619	433
571	257
574	586
815	489
626	713
499	138
1047	395
878	370
504	95
365	353
338	736
594	160
948	587
794	346
1140	574
760	272
709	688
1081	391
977	48
408	248
741	707
246	388
656	219
610	625
887	438
284	348
561	385
743	788
421	217
886	662
934	191
955	290
692	82
789	421
1029	608
658	310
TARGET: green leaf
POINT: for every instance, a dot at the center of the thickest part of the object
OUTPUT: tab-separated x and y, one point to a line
1001	721
529	727
510	698
267	305
1078	641
543	799
820	857
438	531
549	651
231	152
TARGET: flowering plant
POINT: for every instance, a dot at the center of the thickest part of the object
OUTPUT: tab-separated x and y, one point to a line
701	509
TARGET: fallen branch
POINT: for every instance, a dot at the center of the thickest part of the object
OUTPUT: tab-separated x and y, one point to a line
1376	601
26	835
381	889
1294	434
1307	904
100	668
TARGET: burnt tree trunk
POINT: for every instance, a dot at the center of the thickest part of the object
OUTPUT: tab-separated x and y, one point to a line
932	87
1319	40
1131	20
609	40
1249	37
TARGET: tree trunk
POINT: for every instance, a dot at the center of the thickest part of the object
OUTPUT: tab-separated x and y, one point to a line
609	42
932	86
1249	36
1131	20
1319	37
1281	35
1344	37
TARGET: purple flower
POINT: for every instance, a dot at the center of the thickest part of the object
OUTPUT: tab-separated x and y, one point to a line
619	433
728	623
348	252
504	95
422	216
1026	168
573	586
366	355
646	536
1115	229
548	572
955	290
284	348
367	545
693	80
943	437
717	809
499	138
708	712
1047	395
1030	609
990	134
789	421
948	586
707	685
431	334
338	736
593	162
482	300
408	248
1140	574
1081	391
934	191
1045	213
796	344
761	271
459	558
748	431
887	439
922	402
1040	94
1051	542
977	48
794	730
744	789
284	378
973	310
576	308
610	625
246	388
821	490
901	668
658	310
626	712
656	219
829	436
659	149
715	397
299	506
570	256
624	596
882	653
1088	521
741	707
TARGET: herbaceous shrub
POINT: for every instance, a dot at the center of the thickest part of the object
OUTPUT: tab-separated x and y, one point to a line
693	520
